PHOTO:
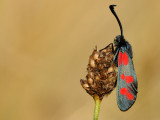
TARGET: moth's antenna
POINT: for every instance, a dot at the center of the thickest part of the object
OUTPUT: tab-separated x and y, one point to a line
114	13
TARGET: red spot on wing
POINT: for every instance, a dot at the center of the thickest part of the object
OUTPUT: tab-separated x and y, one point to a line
120	58
125	59
130	96
129	79
122	76
123	91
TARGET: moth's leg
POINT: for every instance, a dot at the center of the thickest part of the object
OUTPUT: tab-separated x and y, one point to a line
115	59
108	46
112	48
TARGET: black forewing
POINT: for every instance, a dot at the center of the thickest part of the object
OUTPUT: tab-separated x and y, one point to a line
128	70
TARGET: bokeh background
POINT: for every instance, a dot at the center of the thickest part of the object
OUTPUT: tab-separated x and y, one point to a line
44	51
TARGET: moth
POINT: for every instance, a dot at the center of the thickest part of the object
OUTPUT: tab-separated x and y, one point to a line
126	79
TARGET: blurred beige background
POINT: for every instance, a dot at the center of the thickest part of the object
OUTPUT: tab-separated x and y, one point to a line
44	51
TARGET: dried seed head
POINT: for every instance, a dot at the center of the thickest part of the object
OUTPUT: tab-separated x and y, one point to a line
91	74
95	55
110	69
97	77
90	81
85	84
92	62
102	75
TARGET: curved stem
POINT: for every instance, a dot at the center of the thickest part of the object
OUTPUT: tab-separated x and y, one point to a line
97	107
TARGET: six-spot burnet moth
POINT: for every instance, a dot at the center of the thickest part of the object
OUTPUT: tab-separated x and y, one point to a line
102	75
127	80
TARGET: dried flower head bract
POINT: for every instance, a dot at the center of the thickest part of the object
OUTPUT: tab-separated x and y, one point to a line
101	77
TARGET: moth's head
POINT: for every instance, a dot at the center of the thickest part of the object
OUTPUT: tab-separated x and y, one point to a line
118	40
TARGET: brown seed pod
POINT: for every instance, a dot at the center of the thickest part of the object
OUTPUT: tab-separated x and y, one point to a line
110	69
90	81
92	62
97	77
84	84
95	55
91	74
102	75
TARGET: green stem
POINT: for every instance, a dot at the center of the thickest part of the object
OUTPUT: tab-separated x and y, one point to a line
97	107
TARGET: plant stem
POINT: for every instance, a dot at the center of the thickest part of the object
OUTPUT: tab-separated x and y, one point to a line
97	107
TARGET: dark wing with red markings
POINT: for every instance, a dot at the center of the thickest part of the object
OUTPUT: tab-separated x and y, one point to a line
127	81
